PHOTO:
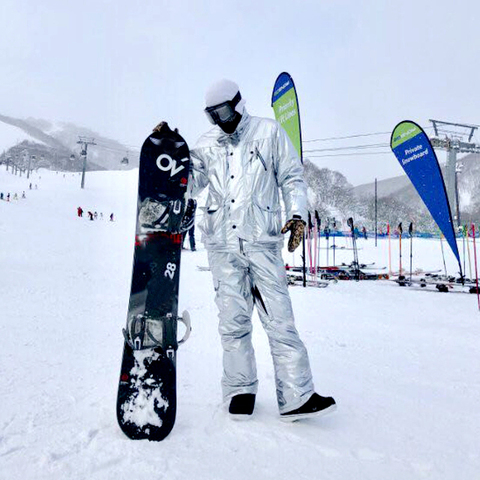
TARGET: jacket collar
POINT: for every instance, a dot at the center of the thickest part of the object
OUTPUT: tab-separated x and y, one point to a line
235	137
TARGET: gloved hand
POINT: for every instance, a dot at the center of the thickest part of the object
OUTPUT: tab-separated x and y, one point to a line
189	216
161	125
297	226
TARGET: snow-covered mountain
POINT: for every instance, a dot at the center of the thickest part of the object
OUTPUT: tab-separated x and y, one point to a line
398	195
55	146
333	196
329	192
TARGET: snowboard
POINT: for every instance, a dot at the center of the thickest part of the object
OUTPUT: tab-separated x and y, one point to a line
147	397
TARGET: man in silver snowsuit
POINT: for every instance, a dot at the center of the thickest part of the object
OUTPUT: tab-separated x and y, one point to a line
245	161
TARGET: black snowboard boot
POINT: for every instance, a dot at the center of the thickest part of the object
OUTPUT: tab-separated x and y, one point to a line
315	406
241	406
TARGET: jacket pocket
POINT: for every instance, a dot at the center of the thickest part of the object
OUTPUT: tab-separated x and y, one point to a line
210	224
267	219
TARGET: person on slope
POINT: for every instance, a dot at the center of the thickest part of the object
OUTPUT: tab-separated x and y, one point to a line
191	231
244	161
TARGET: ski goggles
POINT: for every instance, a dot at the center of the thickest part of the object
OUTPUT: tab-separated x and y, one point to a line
223	112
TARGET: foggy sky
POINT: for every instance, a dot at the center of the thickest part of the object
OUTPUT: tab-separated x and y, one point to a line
119	67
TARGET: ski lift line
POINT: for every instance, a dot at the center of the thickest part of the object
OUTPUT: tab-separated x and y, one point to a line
136	147
454	124
121	148
118	149
352	136
123	144
353	147
455	134
112	149
355	154
347	137
356	147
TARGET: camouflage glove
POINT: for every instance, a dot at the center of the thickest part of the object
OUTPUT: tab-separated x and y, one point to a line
162	125
297	226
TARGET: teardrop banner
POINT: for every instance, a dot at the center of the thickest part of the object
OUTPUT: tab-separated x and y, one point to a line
417	157
285	106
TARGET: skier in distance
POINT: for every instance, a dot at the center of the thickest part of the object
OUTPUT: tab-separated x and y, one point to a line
244	161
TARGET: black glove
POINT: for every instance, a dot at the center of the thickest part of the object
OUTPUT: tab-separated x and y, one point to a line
189	216
297	226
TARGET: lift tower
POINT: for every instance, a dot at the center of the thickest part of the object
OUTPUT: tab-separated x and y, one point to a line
454	138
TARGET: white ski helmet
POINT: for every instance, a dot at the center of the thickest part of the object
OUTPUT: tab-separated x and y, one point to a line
222	100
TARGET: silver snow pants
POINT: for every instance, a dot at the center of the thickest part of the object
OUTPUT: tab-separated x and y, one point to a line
258	277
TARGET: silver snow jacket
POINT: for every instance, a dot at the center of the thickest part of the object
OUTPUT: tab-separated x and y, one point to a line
244	172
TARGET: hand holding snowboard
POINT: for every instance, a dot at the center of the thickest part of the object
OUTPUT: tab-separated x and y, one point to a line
163	126
296	227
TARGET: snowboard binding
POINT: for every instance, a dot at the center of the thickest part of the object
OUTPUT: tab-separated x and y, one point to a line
143	333
170	216
161	216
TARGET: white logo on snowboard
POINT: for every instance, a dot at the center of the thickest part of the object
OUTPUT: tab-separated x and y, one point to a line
166	162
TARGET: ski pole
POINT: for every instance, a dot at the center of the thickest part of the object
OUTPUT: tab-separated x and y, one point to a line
304	263
468	252
443	256
307	233
315	244
327	236
334	234
310	241
389	251
400	231
355	253
476	267
410	232
319	238
357	263
318	233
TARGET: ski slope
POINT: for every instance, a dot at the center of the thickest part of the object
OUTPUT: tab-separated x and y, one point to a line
403	366
11	135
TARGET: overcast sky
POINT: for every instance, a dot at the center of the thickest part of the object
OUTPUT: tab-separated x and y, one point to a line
121	66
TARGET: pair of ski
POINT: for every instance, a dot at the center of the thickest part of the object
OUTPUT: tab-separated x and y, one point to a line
297	279
353	274
434	284
342	266
146	401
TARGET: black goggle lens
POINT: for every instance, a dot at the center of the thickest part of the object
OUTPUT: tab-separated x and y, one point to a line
221	113
225	112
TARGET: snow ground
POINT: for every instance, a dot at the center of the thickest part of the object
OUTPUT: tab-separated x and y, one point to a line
404	366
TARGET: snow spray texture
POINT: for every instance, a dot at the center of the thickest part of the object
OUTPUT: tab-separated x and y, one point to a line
415	153
285	106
